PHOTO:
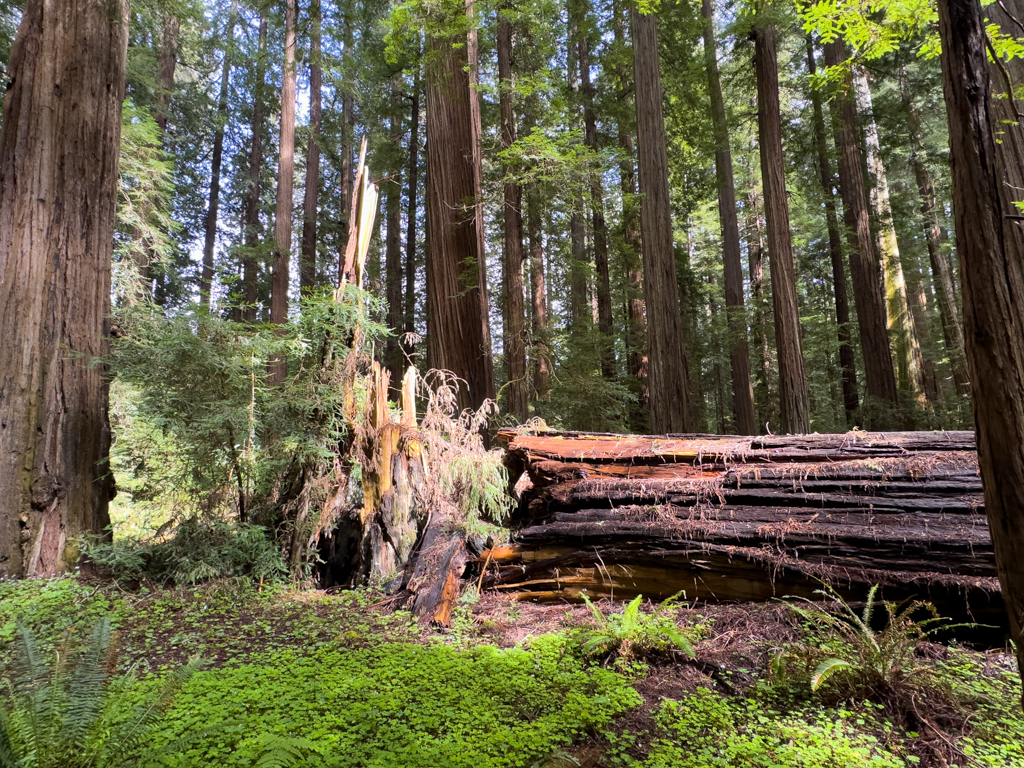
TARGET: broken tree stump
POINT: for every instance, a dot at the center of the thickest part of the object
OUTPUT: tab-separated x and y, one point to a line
748	518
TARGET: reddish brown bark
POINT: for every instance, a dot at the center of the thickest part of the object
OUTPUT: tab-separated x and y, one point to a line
59	149
250	266
307	258
795	414
990	247
865	271
668	376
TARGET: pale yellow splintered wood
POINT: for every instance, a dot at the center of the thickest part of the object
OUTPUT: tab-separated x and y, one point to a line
409	397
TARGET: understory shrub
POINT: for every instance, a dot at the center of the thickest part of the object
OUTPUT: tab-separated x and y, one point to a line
414	706
200	549
634	634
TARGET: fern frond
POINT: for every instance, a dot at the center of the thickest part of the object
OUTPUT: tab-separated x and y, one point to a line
86	687
825	670
283	751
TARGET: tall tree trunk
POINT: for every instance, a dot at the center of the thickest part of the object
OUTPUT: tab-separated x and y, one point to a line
393	247
744	416
210	239
755	266
605	322
167	62
867	278
250	266
935	237
538	294
990	246
902	329
636	322
848	375
347	132
285	182
59	149
515	311
412	210
455	306
580	319
307	259
666	344
795	411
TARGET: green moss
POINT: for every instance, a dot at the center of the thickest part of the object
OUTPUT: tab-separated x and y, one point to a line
399	705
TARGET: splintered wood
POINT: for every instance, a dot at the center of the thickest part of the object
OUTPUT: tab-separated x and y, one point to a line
741	518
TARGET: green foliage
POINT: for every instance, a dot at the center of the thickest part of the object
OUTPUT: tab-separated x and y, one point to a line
634	634
399	705
858	660
67	715
706	729
52	610
200	549
201	424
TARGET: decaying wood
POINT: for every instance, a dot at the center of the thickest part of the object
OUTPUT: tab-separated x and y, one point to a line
738	518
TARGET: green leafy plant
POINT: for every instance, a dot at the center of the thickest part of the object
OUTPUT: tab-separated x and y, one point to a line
854	655
67	715
634	634
200	550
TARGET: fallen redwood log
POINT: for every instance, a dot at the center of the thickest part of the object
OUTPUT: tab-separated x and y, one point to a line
738	518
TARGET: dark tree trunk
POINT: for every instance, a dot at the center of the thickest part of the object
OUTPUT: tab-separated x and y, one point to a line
167	62
455	306
285	182
411	211
59	149
307	259
744	415
668	377
795	412
848	374
210	239
755	266
538	295
865	271
515	311
393	248
990	247
605	323
250	266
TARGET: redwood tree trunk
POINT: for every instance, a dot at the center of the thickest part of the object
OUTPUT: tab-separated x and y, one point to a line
455	315
990	247
865	271
210	239
668	376
250	266
59	148
411	211
605	323
393	247
795	414
279	276
515	310
848	375
744	415
307	259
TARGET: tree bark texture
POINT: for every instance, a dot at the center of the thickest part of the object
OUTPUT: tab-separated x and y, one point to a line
167	62
603	286
867	278
848	374
285	182
413	209
310	202
538	296
515	308
210	234
795	411
755	267
744	414
666	345
455	307
902	328
393	247
59	150
990	247
250	266
734	518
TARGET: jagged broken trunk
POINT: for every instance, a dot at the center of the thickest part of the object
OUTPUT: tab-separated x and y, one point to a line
739	518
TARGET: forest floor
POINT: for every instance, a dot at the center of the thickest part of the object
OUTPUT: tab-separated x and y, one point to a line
341	681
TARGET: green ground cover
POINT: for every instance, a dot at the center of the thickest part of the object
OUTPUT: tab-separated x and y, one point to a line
304	678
